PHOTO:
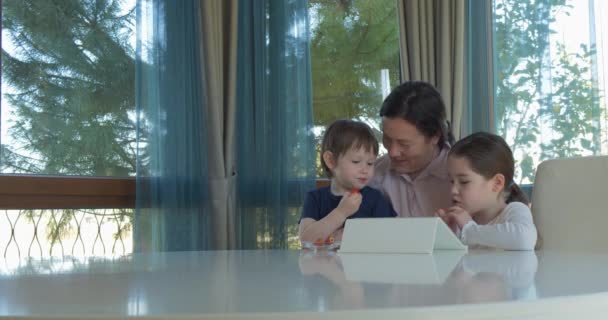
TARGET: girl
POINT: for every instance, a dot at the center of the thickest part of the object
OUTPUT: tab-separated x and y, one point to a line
488	208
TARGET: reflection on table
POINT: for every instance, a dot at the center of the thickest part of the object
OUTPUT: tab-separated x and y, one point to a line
447	277
245	282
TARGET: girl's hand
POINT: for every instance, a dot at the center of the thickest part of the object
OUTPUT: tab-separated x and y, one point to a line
449	220
459	215
350	203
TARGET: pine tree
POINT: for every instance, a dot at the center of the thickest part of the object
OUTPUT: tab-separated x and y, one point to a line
351	42
70	72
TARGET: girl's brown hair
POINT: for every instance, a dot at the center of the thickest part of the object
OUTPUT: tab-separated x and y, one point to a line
489	155
343	135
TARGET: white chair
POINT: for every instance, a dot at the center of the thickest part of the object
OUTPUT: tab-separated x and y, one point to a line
570	204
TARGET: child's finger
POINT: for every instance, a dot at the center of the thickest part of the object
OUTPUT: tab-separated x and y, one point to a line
454	209
441	214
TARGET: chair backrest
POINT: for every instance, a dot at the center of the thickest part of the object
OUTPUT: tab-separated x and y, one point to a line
570	203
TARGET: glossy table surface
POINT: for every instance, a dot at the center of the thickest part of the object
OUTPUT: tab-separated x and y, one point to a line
254	283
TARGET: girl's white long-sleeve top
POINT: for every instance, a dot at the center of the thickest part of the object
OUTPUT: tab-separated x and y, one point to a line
512	229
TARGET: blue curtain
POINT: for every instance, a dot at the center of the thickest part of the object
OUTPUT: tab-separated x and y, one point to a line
479	114
172	189
273	129
276	152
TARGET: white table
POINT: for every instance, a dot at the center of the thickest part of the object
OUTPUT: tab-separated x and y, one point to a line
305	285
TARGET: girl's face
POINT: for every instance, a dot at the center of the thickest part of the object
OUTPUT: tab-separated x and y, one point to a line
470	190
353	169
410	151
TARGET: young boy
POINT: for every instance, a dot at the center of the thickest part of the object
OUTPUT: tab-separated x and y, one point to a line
348	152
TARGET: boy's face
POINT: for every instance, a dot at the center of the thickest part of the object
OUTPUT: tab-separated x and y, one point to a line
353	169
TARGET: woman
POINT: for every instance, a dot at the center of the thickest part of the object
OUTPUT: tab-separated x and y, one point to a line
417	137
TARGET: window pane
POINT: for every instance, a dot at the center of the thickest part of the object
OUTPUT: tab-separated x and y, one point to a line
550	77
64	233
355	60
68	87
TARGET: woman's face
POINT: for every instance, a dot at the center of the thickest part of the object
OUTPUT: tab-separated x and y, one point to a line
410	151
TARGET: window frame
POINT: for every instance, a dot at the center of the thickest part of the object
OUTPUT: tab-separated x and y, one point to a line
65	192
21	191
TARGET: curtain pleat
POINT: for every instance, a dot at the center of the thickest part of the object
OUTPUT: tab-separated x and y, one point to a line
432	40
224	108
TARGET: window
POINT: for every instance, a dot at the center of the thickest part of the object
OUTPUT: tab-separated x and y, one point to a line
550	65
67	106
68	78
355	61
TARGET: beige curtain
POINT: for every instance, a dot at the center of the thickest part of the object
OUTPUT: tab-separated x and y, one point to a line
219	47
432	39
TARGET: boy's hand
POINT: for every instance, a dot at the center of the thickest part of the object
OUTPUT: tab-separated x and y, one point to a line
350	203
459	215
338	234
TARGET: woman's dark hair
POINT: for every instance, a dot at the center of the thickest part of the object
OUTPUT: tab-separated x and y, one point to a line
489	155
420	104
343	135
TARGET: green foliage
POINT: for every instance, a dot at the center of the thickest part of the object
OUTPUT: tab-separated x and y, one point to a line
545	99
71	74
575	108
57	229
351	42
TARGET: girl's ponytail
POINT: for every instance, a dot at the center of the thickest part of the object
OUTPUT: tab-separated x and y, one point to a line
517	195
